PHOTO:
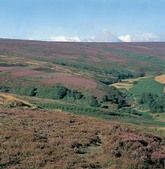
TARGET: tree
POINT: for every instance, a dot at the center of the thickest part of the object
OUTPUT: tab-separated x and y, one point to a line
105	98
60	91
77	95
32	91
155	103
93	102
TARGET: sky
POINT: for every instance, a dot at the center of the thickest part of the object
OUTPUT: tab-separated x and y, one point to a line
83	20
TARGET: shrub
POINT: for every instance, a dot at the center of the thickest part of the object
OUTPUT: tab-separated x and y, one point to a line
4	88
25	90
93	102
154	102
105	98
117	97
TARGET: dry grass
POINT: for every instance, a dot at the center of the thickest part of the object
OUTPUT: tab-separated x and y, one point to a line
123	85
128	83
160	79
135	79
8	100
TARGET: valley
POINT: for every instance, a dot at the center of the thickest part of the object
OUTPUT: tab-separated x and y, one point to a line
82	105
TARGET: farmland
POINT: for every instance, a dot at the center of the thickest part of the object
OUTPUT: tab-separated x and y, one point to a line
69	102
147	85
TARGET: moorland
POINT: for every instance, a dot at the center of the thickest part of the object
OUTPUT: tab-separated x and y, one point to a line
82	105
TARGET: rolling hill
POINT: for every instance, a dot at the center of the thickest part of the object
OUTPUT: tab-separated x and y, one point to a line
82	105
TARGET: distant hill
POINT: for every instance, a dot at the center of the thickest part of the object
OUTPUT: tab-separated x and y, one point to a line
131	56
84	70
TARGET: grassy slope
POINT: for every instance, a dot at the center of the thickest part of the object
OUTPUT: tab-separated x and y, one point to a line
147	85
126	116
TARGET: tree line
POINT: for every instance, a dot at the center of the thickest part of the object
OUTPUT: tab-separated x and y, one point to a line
156	103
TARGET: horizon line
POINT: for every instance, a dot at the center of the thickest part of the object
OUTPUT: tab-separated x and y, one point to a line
39	40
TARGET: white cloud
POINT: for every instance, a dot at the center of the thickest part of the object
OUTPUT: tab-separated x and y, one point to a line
65	39
125	38
104	36
145	37
30	38
108	36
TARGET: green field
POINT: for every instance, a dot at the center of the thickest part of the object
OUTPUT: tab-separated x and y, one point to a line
147	85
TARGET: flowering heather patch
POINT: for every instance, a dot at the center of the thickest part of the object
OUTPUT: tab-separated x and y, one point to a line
147	149
112	57
73	81
6	67
99	94
23	73
54	139
48	139
33	137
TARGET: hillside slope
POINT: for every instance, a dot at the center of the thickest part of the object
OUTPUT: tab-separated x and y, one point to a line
87	78
44	85
53	139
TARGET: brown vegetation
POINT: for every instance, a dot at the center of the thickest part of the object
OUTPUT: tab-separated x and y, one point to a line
23	73
2	68
73	81
53	139
160	79
7	100
37	138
